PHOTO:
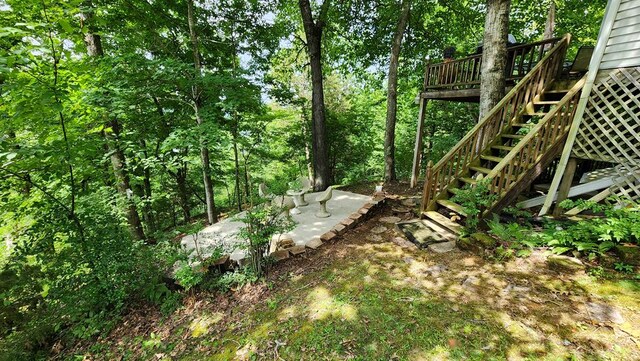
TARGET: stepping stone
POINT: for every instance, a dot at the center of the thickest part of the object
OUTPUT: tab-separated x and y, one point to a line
442	247
374	238
390	219
604	313
379	229
409	202
403	243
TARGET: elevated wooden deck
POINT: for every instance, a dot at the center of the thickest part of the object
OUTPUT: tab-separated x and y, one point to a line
459	80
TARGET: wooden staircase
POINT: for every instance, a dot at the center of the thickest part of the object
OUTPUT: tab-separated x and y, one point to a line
510	147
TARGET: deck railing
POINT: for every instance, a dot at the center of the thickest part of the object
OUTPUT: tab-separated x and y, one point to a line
457	161
465	73
539	140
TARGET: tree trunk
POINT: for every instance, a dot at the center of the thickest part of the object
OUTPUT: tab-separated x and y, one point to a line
122	180
118	161
147	210
392	95
183	195
197	104
313	31
307	150
494	54
550	25
236	163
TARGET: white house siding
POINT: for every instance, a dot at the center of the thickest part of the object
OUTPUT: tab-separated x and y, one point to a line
623	46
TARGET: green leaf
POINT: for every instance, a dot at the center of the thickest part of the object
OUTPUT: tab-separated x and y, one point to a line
66	26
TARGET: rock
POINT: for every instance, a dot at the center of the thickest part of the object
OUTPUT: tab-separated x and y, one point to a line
374	238
442	247
604	313
485	240
314	243
379	229
629	254
435	271
280	242
403	243
390	219
565	263
296	250
515	289
355	216
409	202
468	244
400	210
280	255
471	282
363	210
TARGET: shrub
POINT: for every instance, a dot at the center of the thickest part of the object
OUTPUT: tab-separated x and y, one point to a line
474	199
261	223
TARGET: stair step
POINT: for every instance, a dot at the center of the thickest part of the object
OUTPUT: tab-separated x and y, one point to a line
502	147
491	158
546	102
453	190
535	114
481	169
452	206
444	221
522	125
468	180
512	136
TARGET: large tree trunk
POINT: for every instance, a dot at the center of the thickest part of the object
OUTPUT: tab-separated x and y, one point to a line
392	95
197	104
118	161
550	24
494	54
313	31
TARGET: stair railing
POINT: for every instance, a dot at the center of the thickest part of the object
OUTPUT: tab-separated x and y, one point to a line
550	130
457	161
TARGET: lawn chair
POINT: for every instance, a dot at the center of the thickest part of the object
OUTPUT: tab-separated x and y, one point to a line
323	198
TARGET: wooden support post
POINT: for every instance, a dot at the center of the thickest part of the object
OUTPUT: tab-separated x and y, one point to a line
426	197
417	150
565	186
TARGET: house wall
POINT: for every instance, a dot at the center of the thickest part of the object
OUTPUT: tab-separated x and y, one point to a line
623	45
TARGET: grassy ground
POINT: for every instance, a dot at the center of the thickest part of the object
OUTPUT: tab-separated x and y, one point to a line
367	298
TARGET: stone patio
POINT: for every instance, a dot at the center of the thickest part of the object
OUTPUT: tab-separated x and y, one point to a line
308	227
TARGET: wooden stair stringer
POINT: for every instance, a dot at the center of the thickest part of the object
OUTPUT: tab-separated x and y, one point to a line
529	176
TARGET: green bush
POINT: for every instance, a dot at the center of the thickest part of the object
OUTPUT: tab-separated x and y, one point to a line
57	283
261	223
474	199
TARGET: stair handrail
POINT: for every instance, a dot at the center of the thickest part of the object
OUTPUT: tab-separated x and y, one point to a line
553	127
500	117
